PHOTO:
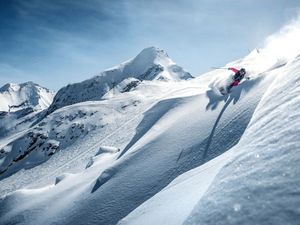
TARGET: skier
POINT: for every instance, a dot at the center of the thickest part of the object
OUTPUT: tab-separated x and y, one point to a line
238	76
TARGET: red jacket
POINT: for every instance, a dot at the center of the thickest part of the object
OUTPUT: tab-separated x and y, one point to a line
233	69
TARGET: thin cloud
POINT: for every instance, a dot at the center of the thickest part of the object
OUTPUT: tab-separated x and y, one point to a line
68	41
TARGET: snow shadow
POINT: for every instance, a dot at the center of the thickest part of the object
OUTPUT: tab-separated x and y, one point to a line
214	128
150	118
105	176
215	99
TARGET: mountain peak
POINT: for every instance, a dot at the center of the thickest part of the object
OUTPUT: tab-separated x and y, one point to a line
29	94
150	64
152	52
15	87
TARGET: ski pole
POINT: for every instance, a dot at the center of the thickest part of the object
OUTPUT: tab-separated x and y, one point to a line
219	68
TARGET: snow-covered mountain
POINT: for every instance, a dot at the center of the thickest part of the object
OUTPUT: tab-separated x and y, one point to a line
58	131
20	105
150	64
131	149
14	97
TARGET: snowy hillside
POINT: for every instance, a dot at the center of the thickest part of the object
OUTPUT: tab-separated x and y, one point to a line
126	148
151	64
61	129
14	97
259	183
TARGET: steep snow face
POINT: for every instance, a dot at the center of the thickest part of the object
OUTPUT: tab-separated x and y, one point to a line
260	183
150	64
174	203
14	97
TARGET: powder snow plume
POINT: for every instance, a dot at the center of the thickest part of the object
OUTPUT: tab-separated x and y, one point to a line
285	44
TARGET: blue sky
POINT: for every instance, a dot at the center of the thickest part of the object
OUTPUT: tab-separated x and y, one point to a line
56	42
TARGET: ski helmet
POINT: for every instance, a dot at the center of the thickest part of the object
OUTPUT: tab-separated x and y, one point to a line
243	71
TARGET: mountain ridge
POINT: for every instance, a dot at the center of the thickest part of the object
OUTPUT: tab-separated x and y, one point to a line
150	64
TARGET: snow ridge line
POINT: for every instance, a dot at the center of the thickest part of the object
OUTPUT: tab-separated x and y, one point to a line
105	138
212	163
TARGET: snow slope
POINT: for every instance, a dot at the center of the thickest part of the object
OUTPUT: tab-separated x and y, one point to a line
174	203
192	194
81	125
175	135
260	182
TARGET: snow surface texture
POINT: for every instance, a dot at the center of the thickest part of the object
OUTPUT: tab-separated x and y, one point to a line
244	194
264	170
188	156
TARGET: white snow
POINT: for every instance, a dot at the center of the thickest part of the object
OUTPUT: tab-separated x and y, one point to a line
163	152
174	203
171	137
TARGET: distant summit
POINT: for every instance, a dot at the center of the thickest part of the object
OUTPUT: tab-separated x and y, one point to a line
14	97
